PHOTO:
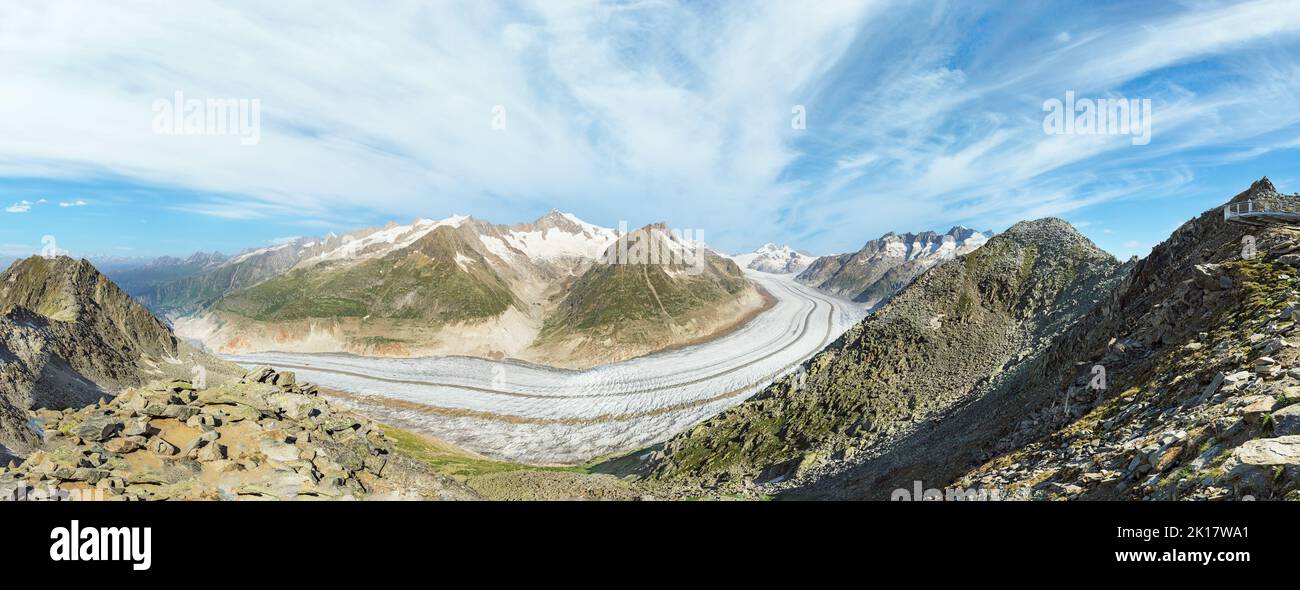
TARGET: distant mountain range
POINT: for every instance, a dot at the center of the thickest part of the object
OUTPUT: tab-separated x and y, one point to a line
888	263
538	291
774	259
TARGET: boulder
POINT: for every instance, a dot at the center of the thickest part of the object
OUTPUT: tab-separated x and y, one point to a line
279	451
96	428
211	452
259	374
1255	407
1286	422
162	447
284	379
122	445
1211	277
1253	462
136	427
180	412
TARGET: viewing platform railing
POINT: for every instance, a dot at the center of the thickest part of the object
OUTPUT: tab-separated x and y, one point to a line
1257	211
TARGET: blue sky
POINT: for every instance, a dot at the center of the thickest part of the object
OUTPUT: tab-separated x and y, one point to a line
919	115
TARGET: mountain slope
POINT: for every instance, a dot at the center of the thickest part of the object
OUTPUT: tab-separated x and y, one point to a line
927	350
626	307
439	277
887	264
1200	362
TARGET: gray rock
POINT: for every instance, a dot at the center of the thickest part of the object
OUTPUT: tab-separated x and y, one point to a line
1253	463
96	428
1286	421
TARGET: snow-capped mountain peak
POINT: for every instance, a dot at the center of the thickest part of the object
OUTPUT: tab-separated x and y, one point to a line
774	259
554	236
391	237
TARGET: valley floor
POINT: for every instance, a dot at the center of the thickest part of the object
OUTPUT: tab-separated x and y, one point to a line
528	413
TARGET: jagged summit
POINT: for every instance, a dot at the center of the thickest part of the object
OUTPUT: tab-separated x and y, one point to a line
67	290
1259	189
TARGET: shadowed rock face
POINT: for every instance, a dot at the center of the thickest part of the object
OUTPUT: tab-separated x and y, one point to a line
922	353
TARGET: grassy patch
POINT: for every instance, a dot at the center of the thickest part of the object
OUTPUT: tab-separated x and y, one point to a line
452	461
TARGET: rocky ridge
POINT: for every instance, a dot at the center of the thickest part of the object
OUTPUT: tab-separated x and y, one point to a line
1202	379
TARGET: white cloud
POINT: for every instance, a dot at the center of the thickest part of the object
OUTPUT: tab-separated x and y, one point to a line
19	207
645	111
76	203
284	240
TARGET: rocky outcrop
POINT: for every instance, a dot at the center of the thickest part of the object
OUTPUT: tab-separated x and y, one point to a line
887	264
69	336
263	437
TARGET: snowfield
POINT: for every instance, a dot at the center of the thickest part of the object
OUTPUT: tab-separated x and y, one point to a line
535	414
